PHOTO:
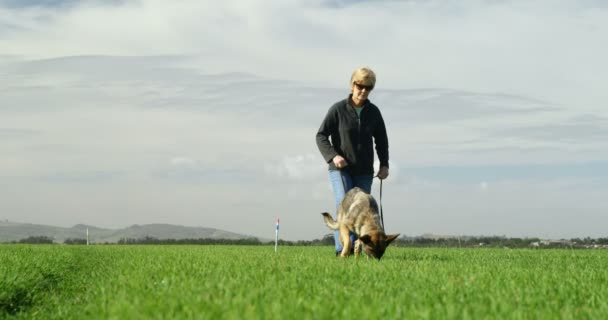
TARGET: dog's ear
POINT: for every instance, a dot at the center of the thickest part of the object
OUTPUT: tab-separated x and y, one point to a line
365	238
391	237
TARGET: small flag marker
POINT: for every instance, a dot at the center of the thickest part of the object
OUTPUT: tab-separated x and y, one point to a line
276	238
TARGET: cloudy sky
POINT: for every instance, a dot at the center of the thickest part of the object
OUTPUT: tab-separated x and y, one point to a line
203	113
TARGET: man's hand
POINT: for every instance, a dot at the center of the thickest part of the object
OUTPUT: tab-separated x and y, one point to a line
382	173
339	162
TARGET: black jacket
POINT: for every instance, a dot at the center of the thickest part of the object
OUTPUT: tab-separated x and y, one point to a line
351	137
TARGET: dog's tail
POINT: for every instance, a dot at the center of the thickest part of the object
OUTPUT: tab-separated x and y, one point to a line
329	221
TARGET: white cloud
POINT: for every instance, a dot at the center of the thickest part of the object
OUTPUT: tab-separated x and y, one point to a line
483	186
537	48
304	167
182	162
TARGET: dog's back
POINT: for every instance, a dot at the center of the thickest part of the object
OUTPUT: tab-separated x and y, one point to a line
359	209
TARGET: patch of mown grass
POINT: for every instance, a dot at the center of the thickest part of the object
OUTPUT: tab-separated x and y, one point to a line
234	282
23	279
41	279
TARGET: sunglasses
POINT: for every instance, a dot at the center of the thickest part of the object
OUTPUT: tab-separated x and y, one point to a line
361	87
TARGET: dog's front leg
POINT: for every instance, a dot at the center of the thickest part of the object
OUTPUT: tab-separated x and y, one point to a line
358	246
346	243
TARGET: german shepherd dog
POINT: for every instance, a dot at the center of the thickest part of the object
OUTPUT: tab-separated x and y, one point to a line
358	213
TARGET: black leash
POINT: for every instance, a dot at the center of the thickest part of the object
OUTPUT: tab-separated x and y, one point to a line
381	215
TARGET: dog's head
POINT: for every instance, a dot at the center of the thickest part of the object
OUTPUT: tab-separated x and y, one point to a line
375	243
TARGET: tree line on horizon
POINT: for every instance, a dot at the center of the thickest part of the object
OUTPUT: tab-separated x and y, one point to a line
328	240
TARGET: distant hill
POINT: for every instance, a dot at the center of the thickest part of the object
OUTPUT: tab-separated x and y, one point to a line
14	231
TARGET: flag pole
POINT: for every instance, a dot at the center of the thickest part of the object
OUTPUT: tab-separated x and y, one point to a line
276	238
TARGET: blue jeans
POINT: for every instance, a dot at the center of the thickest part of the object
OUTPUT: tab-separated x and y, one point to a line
341	182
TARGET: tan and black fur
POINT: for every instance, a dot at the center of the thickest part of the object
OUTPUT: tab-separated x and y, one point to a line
358	212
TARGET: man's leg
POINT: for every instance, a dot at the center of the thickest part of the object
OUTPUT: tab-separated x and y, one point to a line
364	182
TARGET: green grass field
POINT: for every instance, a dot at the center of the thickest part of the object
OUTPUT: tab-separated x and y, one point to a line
254	282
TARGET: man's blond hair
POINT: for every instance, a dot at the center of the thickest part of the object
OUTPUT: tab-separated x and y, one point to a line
363	76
